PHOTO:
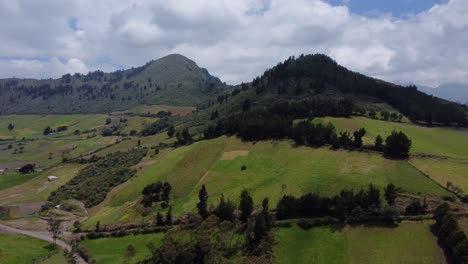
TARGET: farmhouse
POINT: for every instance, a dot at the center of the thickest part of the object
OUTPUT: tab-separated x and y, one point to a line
52	178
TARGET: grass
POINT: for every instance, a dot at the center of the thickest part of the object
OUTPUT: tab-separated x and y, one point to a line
31	126
273	169
444	170
111	250
21	249
38	188
437	141
9	180
358	245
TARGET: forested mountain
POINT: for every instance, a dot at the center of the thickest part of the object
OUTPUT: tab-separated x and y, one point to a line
172	80
315	85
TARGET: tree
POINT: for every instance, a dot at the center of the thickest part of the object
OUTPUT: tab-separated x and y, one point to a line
225	210
246	105
358	137
245	205
77	226
27	168
98	226
373	196
11	127
130	252
47	131
203	202
108	121
159	219
397	145
378	144
390	194
170	131
54	228
169	219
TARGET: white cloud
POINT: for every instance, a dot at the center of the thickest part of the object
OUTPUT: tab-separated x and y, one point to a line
235	40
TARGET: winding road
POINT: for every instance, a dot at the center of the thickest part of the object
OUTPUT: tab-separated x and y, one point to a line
42	236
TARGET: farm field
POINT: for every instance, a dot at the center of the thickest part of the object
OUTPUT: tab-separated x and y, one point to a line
8	180
444	170
272	169
436	141
15	249
111	250
31	126
38	188
359	245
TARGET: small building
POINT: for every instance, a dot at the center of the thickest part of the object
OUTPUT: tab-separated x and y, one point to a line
52	178
57	206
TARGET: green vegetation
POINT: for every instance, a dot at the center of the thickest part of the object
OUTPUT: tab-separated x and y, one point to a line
92	183
112	250
444	170
436	141
16	249
9	180
358	245
173	80
272	170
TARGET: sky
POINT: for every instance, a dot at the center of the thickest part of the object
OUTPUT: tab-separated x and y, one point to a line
403	41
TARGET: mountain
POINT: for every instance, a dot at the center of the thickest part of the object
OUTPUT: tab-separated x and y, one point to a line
172	80
315	86
455	92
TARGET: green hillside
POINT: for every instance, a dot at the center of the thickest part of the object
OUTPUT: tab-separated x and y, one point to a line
171	80
359	245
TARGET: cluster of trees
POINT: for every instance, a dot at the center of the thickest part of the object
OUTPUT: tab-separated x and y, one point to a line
155	127
363	206
93	182
10	127
48	130
156	192
314	73
184	137
450	234
276	121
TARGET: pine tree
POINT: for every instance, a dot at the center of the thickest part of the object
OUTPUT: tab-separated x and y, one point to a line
203	203
169	219
245	205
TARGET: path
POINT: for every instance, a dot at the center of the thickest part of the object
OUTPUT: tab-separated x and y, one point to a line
42	236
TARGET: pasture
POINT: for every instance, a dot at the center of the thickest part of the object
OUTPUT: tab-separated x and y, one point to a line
111	250
436	141
407	243
15	249
272	169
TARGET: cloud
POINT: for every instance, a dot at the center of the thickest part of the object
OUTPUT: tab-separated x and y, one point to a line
235	40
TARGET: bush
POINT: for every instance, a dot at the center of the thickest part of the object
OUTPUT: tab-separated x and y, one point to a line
309	223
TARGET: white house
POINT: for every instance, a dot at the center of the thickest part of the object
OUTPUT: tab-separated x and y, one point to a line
52	178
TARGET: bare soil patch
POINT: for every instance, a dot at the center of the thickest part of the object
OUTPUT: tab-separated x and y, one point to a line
230	155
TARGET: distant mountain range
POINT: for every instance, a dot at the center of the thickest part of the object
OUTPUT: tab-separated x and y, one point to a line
452	91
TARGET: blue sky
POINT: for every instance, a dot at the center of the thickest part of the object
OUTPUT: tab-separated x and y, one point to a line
395	7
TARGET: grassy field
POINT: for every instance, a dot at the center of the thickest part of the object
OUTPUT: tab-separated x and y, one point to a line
9	180
111	250
444	170
408	243
154	109
38	188
31	126
273	169
437	141
15	249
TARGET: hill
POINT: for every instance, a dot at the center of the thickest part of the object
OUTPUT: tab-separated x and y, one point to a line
171	80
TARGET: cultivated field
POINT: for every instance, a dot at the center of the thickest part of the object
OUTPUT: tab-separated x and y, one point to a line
154	109
273	169
408	243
